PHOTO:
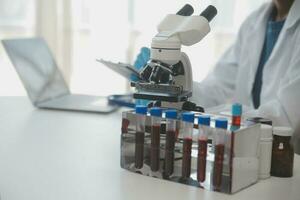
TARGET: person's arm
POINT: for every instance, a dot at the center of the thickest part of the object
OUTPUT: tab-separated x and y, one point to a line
284	109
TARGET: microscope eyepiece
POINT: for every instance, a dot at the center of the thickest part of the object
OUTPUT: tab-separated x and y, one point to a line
209	13
186	10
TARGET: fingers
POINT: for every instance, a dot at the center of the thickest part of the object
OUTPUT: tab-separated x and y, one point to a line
145	54
138	63
142	58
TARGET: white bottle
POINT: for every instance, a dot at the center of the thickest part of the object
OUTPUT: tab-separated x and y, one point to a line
265	151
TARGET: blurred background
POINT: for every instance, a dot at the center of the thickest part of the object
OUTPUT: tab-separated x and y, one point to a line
79	31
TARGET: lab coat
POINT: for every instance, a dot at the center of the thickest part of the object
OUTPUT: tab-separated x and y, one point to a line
233	77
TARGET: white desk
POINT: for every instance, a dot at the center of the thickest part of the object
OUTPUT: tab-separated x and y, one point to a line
68	156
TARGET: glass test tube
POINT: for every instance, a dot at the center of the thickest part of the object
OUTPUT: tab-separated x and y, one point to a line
219	136
141	112
125	124
156	114
236	115
204	128
171	116
187	126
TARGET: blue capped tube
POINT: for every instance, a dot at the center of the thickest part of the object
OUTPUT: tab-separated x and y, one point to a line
156	114
220	134
171	133
141	112
204	128
187	125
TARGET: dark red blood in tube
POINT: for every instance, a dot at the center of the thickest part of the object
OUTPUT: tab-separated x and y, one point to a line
186	159
218	166
236	121
139	149
177	133
202	152
125	124
155	141
169	154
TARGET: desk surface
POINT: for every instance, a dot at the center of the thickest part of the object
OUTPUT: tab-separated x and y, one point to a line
68	155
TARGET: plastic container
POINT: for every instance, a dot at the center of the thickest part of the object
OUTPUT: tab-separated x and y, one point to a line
265	151
282	153
238	170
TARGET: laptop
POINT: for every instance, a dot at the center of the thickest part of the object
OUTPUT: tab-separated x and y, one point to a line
44	82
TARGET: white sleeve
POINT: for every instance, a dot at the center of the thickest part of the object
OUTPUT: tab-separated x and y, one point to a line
219	86
284	109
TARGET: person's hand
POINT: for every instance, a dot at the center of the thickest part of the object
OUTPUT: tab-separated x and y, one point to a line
140	62
142	58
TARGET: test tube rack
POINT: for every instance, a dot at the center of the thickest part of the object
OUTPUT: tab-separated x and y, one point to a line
240	164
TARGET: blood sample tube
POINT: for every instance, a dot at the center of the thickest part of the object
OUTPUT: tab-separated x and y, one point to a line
141	112
204	128
171	116
125	124
155	137
236	115
220	134
187	126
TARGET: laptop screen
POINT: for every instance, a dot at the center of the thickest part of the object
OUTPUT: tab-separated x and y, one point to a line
36	68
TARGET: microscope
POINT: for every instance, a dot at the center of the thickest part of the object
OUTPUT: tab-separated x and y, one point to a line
167	79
